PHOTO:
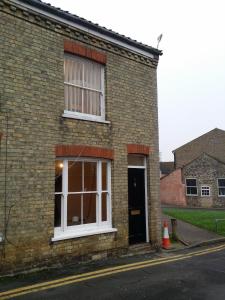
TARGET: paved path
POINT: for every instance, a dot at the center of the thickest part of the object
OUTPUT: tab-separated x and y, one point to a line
190	233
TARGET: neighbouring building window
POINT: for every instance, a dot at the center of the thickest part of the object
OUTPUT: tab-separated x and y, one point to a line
84	88
191	187
221	187
82	196
205	190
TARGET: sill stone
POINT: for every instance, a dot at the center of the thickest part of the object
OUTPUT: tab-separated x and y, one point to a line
73	235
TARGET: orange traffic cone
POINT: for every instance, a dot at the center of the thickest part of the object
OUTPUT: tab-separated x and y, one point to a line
166	238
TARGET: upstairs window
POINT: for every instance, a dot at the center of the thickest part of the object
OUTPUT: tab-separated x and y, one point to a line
84	88
191	187
221	187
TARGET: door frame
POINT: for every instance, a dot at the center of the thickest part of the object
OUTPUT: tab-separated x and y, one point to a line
146	194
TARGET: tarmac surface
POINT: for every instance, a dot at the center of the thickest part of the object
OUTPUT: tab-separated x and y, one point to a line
158	281
191	274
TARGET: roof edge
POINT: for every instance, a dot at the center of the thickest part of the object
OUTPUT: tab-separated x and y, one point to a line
199	156
215	129
97	29
180	168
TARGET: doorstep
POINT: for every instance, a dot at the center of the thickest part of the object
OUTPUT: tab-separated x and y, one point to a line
137	249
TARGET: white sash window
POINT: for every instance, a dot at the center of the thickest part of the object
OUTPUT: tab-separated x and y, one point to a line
82	197
84	88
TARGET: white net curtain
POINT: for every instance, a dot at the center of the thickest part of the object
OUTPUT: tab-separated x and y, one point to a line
83	85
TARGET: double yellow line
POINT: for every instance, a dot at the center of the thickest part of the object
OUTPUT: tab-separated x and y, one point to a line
101	273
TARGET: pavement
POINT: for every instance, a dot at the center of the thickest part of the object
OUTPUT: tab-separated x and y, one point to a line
189	234
191	274
192	235
73	279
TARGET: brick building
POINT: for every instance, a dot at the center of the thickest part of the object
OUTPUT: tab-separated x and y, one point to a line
79	171
166	167
212	143
199	178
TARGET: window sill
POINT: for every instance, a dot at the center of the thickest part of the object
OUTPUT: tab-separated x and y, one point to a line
73	235
84	118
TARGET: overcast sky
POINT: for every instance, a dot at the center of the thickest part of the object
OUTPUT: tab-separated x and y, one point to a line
191	72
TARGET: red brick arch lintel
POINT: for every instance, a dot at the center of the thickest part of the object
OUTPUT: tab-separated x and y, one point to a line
83	151
138	149
78	49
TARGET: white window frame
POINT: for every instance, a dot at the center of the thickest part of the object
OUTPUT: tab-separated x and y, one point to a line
66	232
83	116
205	187
220	186
196	186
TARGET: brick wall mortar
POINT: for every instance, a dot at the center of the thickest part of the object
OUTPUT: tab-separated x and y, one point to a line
172	189
77	35
32	96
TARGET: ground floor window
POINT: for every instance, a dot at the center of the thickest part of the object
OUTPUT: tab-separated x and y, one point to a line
82	195
191	187
221	187
205	190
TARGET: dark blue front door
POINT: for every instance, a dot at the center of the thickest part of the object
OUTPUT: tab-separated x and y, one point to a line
136	205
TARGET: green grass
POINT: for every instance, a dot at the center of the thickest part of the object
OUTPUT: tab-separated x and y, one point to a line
201	218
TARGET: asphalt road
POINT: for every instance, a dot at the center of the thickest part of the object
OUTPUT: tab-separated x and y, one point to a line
183	276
